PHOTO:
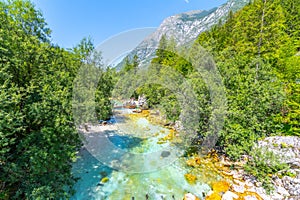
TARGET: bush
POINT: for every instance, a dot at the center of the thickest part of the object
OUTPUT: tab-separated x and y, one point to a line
263	164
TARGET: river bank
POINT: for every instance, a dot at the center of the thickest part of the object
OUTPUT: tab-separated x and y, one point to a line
135	134
237	183
210	176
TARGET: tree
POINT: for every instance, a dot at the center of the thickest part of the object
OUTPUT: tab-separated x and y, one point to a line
251	51
38	139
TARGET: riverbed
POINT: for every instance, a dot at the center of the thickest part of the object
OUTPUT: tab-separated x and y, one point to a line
135	138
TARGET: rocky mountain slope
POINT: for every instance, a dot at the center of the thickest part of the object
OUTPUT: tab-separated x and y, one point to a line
185	27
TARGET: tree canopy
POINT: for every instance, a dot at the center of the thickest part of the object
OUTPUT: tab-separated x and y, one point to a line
38	139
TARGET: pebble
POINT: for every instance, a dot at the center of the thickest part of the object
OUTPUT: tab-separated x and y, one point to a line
276	196
277	181
285	188
258	184
238	188
264	196
237	174
287	147
190	196
282	191
292	185
239	182
250	198
249	183
229	196
261	192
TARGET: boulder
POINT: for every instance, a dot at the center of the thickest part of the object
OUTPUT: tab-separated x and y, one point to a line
165	154
287	147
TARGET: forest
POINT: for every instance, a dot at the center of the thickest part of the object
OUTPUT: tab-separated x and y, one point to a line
38	138
257	52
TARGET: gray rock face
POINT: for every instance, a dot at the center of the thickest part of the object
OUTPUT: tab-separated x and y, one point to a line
286	183
292	185
185	27
282	191
287	147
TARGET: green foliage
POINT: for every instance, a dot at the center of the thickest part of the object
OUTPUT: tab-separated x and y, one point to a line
255	53
104	92
130	65
160	96
38	138
93	86
290	112
290	174
168	55
153	92
250	109
263	164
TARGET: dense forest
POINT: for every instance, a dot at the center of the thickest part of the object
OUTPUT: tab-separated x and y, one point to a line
38	138
257	52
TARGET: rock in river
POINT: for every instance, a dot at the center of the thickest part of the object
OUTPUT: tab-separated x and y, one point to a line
165	154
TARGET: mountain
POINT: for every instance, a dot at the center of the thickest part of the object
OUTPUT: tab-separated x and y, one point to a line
184	28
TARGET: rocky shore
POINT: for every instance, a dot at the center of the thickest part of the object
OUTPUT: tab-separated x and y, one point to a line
239	185
286	183
236	183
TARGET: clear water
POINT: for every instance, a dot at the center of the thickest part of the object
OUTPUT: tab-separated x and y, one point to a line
139	137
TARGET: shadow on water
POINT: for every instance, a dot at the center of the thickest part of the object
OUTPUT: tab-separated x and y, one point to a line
90	171
123	141
169	182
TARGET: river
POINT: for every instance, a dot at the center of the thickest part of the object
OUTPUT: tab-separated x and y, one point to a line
136	135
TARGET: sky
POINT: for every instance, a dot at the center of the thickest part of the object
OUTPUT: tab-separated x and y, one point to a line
72	20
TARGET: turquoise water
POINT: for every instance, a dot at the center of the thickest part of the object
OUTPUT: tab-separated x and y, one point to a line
138	137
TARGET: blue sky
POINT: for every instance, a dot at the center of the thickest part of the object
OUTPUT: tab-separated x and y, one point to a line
71	20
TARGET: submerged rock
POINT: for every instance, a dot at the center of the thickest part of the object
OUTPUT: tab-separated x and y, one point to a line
220	186
165	154
104	180
194	162
282	191
190	178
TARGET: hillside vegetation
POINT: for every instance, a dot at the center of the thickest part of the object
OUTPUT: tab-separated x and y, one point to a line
257	52
38	138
